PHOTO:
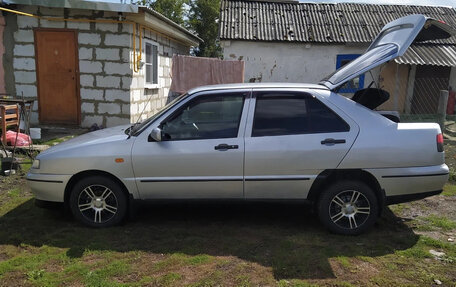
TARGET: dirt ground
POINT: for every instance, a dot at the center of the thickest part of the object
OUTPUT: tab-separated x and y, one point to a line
226	245
450	156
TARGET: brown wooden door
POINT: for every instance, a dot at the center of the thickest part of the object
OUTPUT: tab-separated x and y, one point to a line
57	75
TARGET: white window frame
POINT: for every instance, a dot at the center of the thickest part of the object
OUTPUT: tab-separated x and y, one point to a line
146	84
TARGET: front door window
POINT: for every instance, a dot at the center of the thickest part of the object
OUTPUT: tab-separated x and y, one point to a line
206	117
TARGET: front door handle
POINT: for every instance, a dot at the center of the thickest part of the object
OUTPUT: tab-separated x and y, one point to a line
332	141
223	147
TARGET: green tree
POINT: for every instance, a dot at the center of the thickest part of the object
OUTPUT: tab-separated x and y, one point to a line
203	18
200	16
172	9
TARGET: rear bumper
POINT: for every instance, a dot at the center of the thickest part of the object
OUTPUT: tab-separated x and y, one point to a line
48	187
411	183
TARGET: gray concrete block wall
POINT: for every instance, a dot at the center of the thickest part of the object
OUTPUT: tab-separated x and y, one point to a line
146	102
102	67
110	92
23	67
102	63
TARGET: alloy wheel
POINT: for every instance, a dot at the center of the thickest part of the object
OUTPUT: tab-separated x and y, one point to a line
349	209
98	203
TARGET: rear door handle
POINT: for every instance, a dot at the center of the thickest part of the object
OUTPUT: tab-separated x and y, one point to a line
223	147
332	141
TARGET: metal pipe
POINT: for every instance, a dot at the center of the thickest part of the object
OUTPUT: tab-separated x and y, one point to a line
18	12
135	70
140	47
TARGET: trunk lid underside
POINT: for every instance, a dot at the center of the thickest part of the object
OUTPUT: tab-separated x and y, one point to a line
392	42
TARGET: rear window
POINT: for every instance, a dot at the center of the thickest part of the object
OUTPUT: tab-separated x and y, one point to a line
289	114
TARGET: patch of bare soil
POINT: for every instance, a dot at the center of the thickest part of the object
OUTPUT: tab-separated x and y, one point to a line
415	214
10	182
17	279
53	266
362	270
450	156
436	205
92	259
3	257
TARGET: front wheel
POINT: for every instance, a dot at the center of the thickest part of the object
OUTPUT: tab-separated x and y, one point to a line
348	207
98	201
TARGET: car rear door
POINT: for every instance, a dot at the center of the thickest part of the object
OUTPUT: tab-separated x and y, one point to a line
291	137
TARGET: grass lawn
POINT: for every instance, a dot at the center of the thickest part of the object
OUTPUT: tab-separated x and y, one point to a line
224	245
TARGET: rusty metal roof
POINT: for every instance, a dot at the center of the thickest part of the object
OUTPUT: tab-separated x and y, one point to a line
316	23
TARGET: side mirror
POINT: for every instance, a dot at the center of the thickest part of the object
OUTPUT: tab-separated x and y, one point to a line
156	134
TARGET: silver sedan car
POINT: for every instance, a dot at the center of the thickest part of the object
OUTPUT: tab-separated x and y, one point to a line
259	142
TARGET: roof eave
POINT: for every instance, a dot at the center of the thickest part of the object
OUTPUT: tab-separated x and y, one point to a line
163	21
77	4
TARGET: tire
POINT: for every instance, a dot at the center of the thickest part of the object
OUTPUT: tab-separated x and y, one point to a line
348	207
98	201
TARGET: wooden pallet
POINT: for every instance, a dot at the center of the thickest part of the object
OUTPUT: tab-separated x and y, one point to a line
9	116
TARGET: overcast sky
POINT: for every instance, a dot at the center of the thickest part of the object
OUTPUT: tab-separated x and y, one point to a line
403	2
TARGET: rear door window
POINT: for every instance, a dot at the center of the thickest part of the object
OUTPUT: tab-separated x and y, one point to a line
279	114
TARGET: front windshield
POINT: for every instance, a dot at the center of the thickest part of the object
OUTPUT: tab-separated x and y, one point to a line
139	126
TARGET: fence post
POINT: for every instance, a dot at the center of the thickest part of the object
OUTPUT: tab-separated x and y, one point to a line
441	111
410	89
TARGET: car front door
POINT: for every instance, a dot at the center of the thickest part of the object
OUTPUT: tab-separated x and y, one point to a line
292	136
201	154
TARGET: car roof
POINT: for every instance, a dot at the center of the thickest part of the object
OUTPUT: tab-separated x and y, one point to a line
257	86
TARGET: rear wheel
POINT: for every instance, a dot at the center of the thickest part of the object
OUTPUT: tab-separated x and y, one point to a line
98	201
348	207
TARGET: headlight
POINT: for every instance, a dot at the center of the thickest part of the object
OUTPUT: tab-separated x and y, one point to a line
36	164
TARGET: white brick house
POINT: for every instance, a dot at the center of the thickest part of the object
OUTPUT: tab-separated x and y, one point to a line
80	60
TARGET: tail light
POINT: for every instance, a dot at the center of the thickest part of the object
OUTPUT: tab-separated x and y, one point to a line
440	142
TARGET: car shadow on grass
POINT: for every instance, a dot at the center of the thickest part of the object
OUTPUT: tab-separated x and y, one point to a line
286	237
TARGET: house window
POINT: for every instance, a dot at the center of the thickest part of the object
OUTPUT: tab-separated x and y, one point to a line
151	64
354	84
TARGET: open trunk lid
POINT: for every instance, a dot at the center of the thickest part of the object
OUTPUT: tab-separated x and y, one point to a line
390	43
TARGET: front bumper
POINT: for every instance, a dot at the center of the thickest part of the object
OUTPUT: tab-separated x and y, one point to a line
48	187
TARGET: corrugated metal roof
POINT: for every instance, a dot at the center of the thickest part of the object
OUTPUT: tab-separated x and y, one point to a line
332	23
436	55
316	23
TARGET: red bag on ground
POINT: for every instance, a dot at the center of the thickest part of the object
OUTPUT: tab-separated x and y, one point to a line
22	139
